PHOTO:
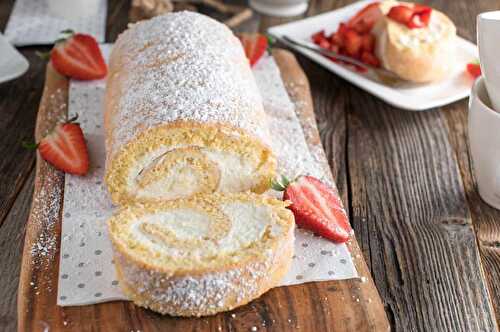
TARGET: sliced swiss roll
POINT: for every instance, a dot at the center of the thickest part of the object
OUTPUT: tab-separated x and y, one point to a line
202	255
183	113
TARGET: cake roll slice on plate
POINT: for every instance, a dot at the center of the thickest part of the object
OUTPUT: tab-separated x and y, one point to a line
202	255
183	113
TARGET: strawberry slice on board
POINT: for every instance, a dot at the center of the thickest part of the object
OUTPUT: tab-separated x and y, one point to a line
78	57
316	207
65	148
255	45
366	18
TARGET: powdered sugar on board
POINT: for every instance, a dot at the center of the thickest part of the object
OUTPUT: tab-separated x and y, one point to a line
86	273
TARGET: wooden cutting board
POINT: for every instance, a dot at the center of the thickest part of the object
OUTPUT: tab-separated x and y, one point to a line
348	305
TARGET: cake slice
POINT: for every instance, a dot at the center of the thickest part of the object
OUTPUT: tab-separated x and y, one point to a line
202	255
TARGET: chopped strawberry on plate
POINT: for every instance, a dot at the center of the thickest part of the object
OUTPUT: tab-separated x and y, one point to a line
65	148
79	57
366	18
316	207
255	45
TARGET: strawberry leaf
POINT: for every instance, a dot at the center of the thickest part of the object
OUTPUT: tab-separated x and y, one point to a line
29	145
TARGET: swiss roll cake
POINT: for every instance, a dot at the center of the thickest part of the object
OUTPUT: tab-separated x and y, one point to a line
204	254
183	114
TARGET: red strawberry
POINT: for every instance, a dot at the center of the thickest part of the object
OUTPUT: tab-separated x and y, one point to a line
255	45
316	207
318	37
370	59
401	14
366	18
421	17
352	43
65	148
79	57
474	69
368	43
324	44
336	39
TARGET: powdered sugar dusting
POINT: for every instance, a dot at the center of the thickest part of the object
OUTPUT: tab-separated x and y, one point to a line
182	66
288	143
315	258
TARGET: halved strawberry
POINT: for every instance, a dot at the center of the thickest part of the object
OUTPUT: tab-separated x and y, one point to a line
366	18
79	57
65	148
255	45
474	69
352	43
401	14
316	207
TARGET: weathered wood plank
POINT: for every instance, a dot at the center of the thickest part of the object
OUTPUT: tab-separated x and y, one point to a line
407	190
485	218
11	249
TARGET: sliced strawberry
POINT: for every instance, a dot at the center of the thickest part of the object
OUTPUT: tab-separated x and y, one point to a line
368	44
401	14
318	37
370	59
325	44
366	18
316	207
336	39
79	57
421	17
352	43
255	45
65	148
474	69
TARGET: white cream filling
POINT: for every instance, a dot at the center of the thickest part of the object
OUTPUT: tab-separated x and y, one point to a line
236	175
248	222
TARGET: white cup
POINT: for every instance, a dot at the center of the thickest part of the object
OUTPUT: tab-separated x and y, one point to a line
484	142
73	9
283	8
488	42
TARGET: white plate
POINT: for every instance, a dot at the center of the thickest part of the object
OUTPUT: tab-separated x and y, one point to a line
412	96
12	63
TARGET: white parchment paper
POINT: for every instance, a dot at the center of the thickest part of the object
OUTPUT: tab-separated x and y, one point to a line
32	23
86	271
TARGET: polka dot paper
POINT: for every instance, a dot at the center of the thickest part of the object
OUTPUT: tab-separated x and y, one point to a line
32	22
86	270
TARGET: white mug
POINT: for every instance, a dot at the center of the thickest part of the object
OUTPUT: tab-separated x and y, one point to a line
488	42
283	8
484	143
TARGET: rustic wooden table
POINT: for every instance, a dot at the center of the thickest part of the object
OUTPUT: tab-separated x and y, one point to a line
432	245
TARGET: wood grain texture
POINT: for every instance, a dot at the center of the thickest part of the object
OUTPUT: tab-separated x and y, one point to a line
377	187
355	303
408	192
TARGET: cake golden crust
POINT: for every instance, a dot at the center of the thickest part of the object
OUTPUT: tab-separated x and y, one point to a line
196	282
178	83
